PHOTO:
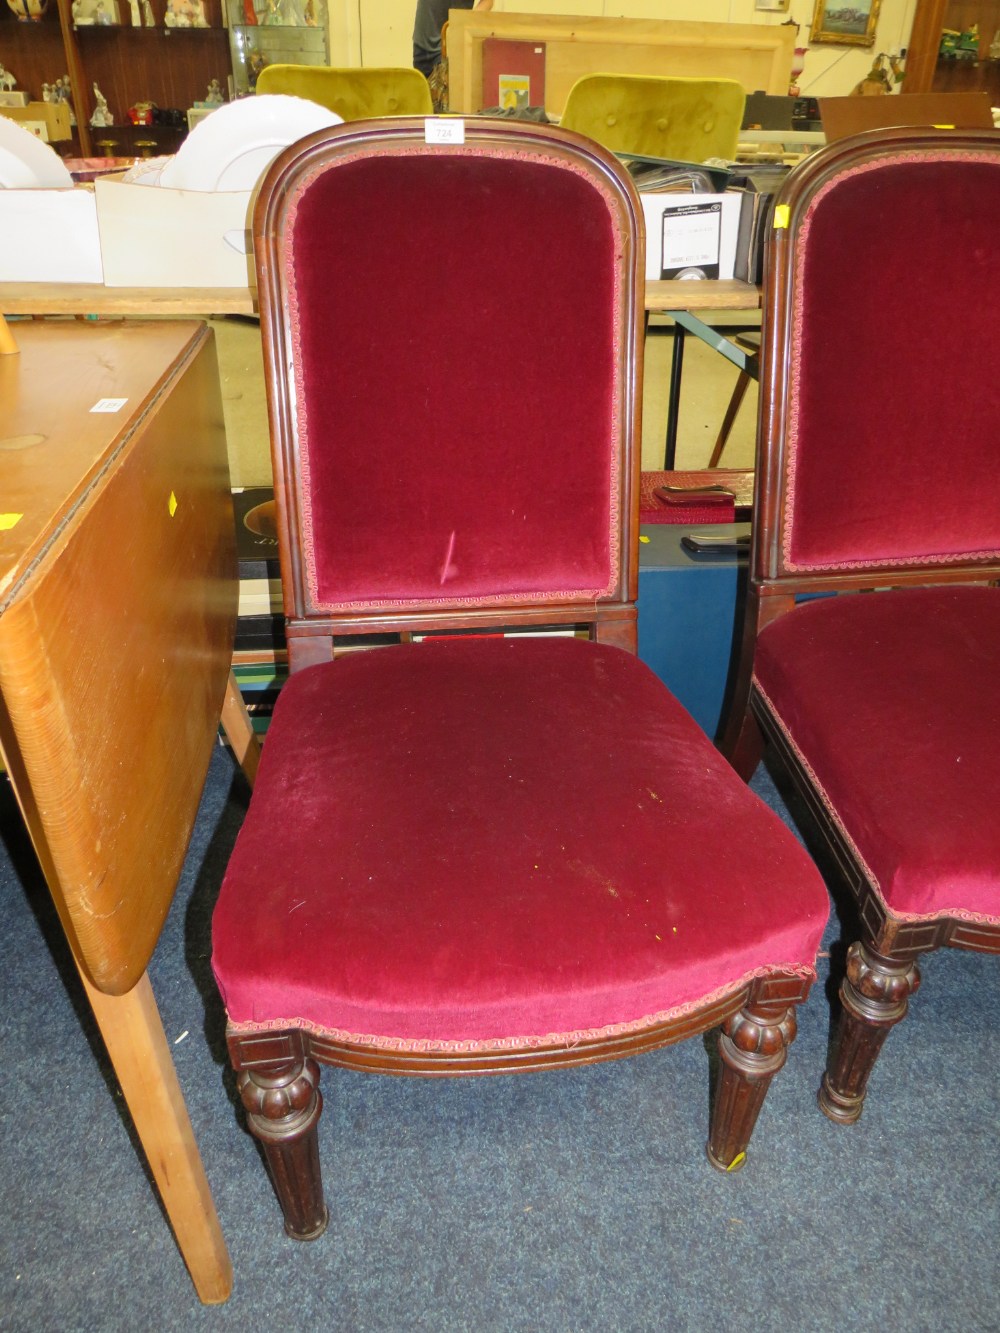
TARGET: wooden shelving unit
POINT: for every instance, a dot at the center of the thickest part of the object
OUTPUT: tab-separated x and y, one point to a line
170	67
926	72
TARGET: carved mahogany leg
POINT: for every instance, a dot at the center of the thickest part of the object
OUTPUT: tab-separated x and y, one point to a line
753	1045
283	1108
875	994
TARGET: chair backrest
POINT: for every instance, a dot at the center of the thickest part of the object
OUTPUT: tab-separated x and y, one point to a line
451	338
355	94
685	119
879	402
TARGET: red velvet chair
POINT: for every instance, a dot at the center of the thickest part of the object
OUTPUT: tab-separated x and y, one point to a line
878	481
475	853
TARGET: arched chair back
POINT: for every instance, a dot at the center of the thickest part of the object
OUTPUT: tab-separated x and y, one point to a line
689	120
877	473
424	406
355	94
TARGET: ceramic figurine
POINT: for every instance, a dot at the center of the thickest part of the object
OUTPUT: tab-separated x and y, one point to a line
64	93
7	80
102	116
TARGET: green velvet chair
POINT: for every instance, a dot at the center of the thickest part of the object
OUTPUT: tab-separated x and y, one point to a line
355	94
687	119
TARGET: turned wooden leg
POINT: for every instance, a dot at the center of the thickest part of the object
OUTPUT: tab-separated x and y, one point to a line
753	1045
875	995
283	1106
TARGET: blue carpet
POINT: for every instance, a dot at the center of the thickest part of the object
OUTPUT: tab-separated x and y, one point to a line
576	1200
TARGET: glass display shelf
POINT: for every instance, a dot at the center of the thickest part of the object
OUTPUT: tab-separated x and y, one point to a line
275	32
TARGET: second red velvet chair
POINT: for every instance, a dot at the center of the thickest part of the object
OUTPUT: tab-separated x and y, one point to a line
878	480
474	853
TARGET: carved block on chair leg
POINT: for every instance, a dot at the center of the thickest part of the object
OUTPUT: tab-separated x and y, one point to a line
875	995
283	1108
753	1045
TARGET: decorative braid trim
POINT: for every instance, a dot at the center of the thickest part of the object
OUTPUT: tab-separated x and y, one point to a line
302	416
794	377
421	1045
959	913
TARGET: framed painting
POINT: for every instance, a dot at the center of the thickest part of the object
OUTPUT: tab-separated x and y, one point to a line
845	22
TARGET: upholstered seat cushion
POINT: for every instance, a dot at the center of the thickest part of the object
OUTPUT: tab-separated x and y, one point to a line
892	700
482	840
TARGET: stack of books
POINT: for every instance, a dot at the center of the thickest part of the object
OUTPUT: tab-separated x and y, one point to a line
260	661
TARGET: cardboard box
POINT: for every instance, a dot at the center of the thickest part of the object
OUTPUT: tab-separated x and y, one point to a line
702	227
50	236
155	237
53	115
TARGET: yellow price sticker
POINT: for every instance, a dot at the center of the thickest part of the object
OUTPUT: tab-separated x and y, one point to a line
8	521
781	215
172	504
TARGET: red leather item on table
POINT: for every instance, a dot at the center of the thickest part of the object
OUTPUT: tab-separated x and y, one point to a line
652	509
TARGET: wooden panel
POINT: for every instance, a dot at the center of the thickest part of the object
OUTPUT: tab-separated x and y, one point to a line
45	298
116	619
171	67
757	55
33	52
79	298
677	294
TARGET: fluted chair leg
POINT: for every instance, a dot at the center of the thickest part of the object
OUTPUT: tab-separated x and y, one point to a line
875	995
753	1045
283	1107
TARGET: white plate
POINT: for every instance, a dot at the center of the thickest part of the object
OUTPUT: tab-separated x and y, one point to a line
28	164
234	146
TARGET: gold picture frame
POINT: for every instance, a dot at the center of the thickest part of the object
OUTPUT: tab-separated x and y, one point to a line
845	22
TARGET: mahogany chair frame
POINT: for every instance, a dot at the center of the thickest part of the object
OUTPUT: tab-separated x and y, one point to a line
882	970
278	1072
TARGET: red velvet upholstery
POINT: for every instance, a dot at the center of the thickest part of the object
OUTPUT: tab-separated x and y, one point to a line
893	702
478	853
889	414
495	841
406	419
